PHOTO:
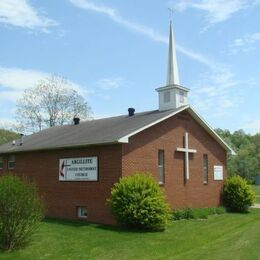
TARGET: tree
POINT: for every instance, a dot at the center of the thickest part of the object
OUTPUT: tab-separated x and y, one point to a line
51	102
21	211
247	161
6	136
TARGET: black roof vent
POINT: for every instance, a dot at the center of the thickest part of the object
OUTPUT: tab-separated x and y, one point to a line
76	120
21	139
131	111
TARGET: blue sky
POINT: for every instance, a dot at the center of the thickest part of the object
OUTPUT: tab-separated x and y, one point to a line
115	53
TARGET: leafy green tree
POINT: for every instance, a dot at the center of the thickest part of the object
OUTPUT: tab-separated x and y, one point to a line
247	161
7	136
20	212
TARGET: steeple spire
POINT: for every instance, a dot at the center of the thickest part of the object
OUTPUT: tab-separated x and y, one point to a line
173	95
173	73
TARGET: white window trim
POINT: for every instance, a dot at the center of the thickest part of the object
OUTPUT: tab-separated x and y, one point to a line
80	211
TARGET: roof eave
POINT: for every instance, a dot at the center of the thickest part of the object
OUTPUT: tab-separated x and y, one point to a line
125	139
196	116
59	147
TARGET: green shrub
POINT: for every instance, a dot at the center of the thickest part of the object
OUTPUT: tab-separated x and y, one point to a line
237	195
137	201
20	212
196	213
185	213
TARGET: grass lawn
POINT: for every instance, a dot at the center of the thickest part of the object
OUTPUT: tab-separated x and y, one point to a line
227	236
257	192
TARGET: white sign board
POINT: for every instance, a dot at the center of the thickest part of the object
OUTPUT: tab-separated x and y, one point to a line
78	169
218	172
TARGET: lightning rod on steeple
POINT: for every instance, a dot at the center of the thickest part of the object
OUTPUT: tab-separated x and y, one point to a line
172	73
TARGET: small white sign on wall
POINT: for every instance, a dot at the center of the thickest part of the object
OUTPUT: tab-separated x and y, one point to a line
218	172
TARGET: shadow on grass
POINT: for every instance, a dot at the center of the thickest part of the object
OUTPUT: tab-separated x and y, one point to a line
122	229
78	223
71	223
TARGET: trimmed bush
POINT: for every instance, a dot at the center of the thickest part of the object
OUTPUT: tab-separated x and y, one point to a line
137	201
20	212
238	195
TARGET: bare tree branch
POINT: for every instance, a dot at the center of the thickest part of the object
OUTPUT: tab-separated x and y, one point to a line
51	102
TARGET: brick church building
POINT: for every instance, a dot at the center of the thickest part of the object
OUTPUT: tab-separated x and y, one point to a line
75	166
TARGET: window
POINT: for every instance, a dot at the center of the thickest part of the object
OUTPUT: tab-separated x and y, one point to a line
82	212
181	97
11	162
205	168
1	163
167	97
161	166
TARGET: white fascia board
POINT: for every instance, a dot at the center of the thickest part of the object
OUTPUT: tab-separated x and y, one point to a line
210	130
125	139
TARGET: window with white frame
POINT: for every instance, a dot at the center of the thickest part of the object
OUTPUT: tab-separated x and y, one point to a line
161	166
11	162
82	212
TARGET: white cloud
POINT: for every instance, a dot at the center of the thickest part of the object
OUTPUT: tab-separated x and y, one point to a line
8	124
245	43
13	81
110	83
19	79
216	10
21	14
114	15
212	94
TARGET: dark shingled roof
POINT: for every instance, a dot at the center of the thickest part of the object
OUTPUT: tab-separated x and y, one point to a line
101	131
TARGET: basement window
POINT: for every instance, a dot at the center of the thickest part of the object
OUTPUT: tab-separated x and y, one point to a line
1	163
82	212
11	162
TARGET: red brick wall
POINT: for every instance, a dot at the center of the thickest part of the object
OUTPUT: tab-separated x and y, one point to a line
141	154
62	198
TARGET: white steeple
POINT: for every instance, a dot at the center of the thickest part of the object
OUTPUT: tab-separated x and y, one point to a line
173	73
173	95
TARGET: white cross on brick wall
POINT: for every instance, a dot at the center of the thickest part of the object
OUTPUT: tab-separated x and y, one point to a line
186	150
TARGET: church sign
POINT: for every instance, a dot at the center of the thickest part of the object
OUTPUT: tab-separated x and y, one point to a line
218	172
78	169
